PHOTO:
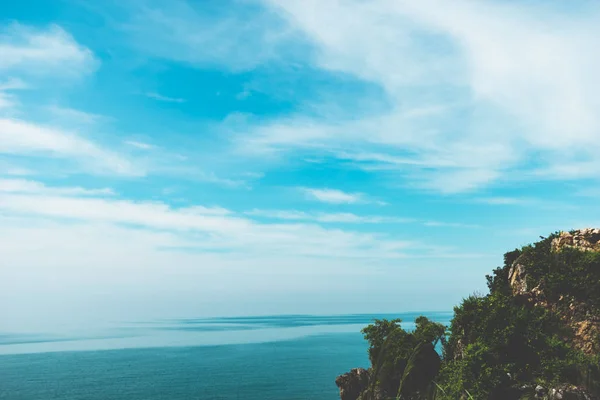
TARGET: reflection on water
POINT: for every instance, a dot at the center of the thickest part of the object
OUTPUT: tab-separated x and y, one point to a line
202	332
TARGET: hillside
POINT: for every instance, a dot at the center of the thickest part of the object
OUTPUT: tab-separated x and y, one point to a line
536	335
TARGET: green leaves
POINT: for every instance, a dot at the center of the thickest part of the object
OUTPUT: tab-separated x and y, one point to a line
498	343
421	368
500	336
404	363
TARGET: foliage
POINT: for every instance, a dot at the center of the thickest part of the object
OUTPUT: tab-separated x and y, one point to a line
404	363
498	343
499	280
570	273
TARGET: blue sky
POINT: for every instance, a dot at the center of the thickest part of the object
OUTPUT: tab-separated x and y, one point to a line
187	158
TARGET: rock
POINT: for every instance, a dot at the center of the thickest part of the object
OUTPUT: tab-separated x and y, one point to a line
563	240
586	329
587	239
540	392
569	393
353	383
556	395
517	277
377	394
587	336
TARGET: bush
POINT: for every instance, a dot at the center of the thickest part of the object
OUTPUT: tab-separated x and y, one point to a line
404	363
498	343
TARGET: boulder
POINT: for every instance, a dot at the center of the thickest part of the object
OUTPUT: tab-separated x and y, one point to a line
353	383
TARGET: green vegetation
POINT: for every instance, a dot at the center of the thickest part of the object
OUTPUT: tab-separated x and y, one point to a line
404	363
500	345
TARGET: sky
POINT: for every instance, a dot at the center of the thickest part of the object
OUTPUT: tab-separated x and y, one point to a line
173	158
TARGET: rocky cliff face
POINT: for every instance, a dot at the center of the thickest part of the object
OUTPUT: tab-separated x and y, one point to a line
507	339
576	314
353	383
587	239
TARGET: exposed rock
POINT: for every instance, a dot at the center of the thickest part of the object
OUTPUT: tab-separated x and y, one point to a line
534	288
587	335
518	278
353	383
585	328
540	391
587	239
560	393
569	393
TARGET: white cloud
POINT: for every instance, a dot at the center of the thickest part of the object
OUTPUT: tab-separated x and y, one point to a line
69	275
199	228
533	64
15	171
140	145
33	51
505	201
13	84
400	141
166	99
32	133
353	218
335	196
471	93
294	215
507	54
350	218
238	38
532	202
588	192
477	92
9	100
146	214
213	178
243	94
253	175
24	138
441	224
74	116
33	187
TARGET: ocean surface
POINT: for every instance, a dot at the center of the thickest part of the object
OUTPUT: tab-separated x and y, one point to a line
246	358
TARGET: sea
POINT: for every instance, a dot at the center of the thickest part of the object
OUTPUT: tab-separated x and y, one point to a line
283	357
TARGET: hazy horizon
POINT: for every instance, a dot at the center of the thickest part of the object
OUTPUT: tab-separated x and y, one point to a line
177	159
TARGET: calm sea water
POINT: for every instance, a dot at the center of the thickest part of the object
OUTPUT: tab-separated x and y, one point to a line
258	358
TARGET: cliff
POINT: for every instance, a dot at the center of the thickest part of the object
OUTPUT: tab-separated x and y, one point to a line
580	314
536	335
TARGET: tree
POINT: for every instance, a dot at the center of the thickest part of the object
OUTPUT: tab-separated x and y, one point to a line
403	363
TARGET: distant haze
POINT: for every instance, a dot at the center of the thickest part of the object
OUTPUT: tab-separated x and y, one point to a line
178	158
